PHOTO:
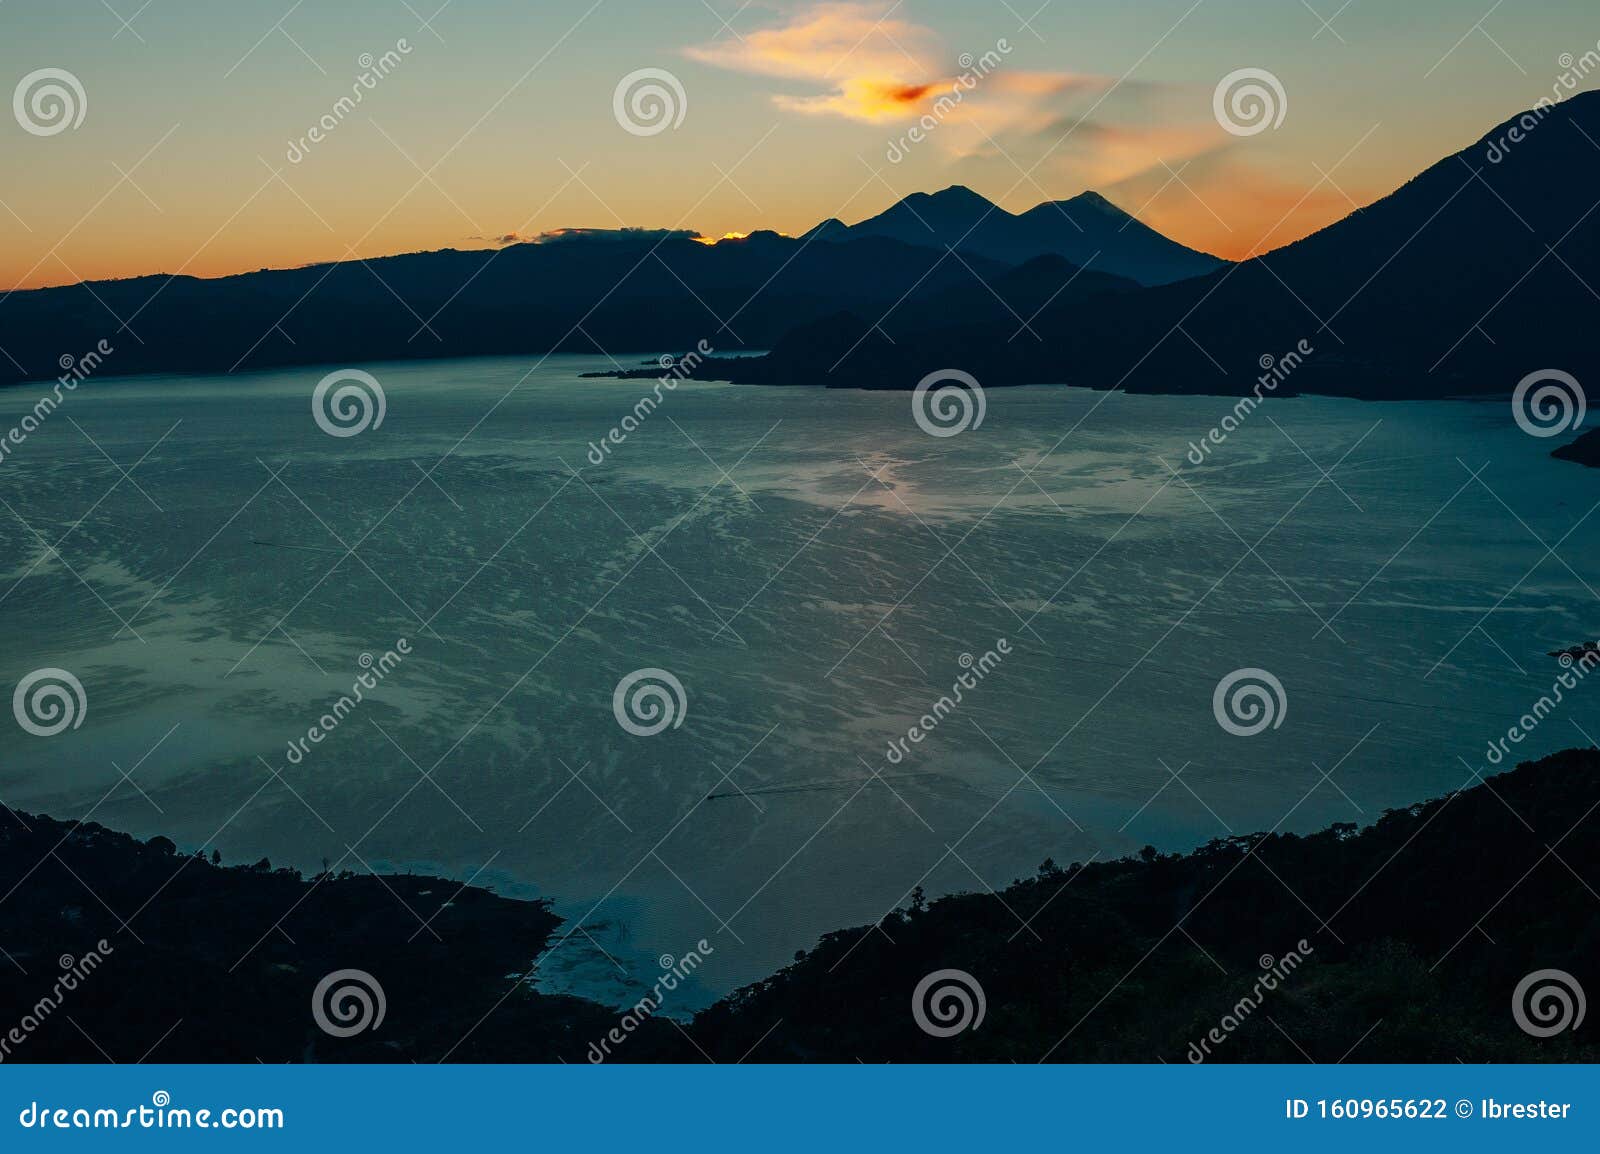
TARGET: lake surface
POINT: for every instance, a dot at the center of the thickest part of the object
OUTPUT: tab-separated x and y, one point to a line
814	601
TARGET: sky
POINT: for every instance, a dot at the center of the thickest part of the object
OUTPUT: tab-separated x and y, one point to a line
189	148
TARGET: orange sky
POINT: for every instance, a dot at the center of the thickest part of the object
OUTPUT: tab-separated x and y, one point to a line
791	112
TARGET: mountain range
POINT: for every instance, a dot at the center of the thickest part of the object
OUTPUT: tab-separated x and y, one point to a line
583	291
1087	230
1478	271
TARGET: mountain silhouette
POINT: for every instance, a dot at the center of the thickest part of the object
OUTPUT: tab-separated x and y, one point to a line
1087	230
609	292
1480	270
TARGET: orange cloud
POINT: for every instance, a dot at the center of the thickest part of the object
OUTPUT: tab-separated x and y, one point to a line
865	99
826	40
877	67
873	67
877	64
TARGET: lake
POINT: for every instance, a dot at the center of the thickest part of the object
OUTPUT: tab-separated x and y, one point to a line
815	571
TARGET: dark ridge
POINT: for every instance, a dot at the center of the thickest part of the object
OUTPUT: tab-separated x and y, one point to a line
1585	450
617	293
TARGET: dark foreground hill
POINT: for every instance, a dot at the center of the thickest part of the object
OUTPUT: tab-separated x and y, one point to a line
1419	929
1409	938
219	964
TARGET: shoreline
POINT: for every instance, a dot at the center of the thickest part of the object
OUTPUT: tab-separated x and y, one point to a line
225	959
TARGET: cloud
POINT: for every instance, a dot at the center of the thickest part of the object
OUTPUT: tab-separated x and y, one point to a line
589	235
826	41
610	235
504	238
870	63
873	65
863	98
876	65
